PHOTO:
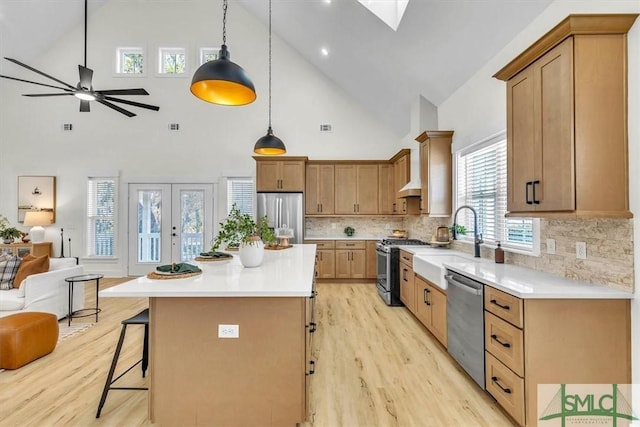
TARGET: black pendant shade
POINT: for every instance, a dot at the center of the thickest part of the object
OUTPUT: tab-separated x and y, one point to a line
269	145
223	82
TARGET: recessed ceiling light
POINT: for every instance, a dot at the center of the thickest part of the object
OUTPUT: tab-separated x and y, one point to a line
327	1
324	51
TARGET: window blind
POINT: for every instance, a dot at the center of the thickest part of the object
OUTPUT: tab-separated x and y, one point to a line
101	217
482	184
241	191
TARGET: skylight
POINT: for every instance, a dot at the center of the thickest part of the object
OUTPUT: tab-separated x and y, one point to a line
389	11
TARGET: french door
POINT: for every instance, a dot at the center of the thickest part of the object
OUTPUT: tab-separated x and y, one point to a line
168	223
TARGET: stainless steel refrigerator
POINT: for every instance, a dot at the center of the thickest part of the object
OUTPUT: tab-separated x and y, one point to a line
283	210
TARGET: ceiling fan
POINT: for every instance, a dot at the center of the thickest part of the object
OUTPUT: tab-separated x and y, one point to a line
84	89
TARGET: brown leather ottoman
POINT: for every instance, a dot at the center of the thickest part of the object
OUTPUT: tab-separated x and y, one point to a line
24	337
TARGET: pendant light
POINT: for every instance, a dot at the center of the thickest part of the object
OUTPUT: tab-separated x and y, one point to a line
269	144
222	81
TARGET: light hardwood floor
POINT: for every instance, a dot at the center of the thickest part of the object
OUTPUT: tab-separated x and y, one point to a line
375	366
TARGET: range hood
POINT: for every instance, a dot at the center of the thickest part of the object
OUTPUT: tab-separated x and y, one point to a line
424	115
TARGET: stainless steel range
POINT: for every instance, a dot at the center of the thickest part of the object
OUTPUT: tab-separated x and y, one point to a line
389	268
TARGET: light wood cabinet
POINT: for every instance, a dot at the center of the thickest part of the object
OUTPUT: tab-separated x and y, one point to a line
372	260
356	190
350	259
435	173
319	194
567	121
401	176
386	190
22	249
407	277
549	341
431	308
325	258
284	175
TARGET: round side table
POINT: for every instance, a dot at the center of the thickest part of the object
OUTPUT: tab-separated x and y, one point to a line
85	311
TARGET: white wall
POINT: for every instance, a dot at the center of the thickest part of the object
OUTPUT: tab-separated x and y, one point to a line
478	109
213	141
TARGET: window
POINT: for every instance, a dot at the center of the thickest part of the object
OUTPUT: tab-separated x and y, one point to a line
482	184
241	191
130	60
101	217
172	60
208	54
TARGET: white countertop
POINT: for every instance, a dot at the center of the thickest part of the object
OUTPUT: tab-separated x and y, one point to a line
520	281
283	273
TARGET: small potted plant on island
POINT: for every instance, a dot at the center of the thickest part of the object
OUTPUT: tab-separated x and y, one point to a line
241	231
8	234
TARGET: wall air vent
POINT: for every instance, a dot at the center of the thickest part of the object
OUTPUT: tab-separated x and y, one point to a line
174	126
67	126
325	128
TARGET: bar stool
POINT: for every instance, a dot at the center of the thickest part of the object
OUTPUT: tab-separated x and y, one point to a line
141	318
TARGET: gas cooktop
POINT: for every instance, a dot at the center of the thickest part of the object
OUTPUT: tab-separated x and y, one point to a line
402	242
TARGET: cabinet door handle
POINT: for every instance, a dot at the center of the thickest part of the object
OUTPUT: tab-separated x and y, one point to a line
313	326
504	344
536	201
358	205
404	274
427	301
350	244
320	256
320	207
394	207
505	307
424	296
526	192
495	380
312	367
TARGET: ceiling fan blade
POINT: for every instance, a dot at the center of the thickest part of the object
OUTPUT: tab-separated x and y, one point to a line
139	91
115	107
86	75
85	106
36	83
34	95
22	64
135	104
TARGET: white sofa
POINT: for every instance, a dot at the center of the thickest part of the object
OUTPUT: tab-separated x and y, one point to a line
47	292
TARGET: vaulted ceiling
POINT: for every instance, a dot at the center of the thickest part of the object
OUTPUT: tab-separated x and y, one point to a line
438	46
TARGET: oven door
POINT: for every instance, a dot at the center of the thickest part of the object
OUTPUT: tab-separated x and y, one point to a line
384	269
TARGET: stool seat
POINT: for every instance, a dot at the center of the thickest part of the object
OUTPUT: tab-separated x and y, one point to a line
25	337
141	318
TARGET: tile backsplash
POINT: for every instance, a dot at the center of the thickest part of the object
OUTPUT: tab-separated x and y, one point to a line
609	248
372	226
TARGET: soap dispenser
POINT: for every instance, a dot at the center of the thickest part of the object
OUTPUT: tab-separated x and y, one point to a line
499	254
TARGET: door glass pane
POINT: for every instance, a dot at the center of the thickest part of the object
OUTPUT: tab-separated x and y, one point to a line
149	225
191	224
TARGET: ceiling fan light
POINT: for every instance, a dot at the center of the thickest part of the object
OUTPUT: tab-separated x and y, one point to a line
85	96
223	82
269	145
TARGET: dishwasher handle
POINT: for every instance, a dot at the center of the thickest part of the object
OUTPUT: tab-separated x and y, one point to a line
463	286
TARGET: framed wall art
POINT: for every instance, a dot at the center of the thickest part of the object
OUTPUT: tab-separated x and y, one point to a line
36	193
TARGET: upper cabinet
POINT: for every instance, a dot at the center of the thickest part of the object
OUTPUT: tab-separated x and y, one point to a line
356	190
286	174
566	121
319	194
435	172
386	190
403	205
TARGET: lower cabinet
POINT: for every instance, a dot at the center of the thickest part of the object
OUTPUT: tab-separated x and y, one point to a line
350	264
407	289
326	259
431	308
529	342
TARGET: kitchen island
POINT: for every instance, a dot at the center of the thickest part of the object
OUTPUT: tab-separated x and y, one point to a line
200	373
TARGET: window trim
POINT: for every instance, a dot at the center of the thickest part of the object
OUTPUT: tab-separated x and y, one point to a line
203	51
121	50
116	221
160	50
469	239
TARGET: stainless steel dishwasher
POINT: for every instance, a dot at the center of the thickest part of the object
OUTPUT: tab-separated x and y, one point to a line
465	324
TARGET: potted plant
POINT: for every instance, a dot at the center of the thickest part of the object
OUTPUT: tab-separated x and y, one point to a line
241	231
9	234
349	231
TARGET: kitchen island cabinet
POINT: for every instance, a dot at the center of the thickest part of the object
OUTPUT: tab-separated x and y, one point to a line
261	377
567	151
